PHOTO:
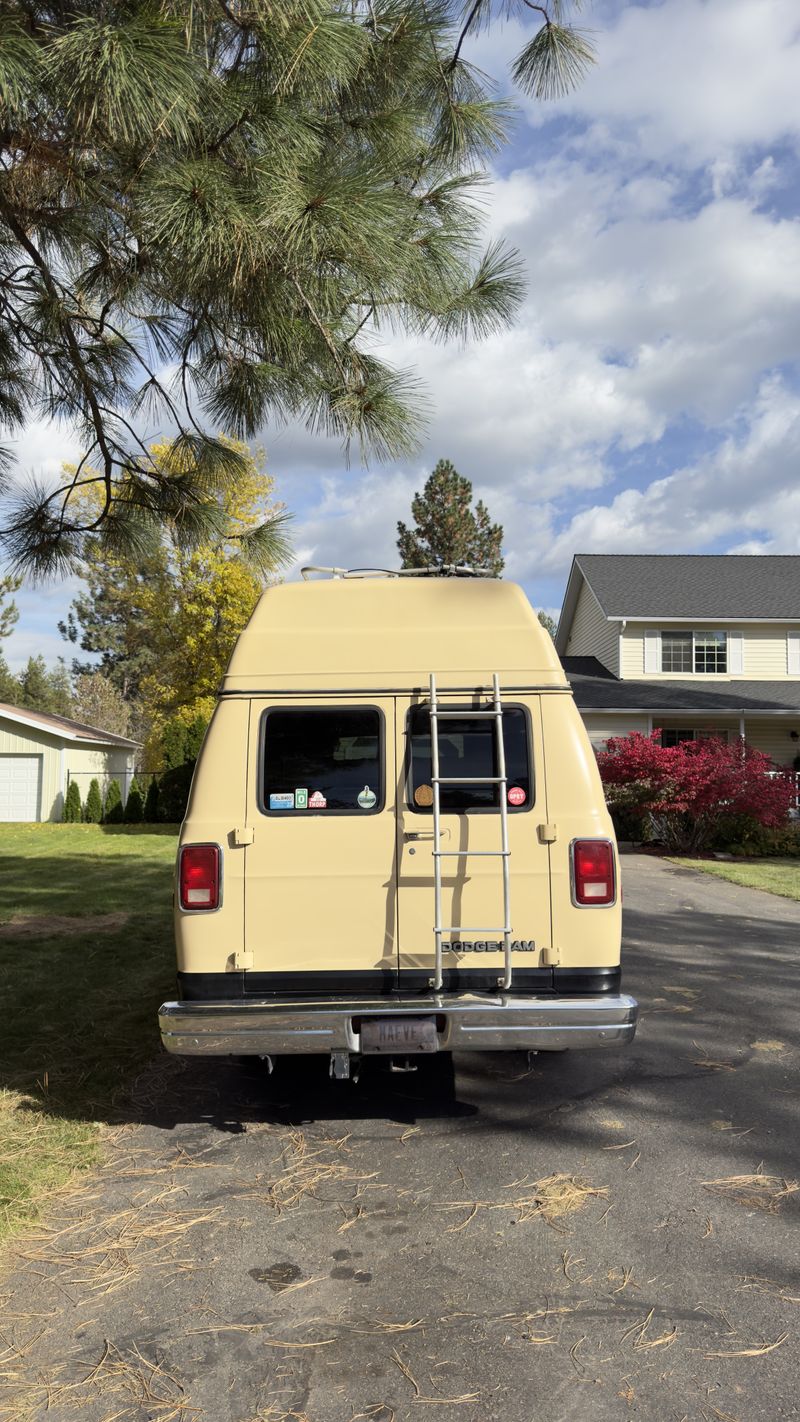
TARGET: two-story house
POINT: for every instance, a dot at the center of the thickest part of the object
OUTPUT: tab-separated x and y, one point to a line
692	645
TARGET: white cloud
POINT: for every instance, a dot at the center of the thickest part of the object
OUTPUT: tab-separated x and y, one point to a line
42	448
745	492
695	80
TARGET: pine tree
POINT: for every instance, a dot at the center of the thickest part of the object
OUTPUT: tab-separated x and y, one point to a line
72	804
45	689
9	612
548	623
152	811
112	809
9	684
134	805
241	195
93	810
447	531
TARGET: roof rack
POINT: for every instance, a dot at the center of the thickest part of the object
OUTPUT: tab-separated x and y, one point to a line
448	570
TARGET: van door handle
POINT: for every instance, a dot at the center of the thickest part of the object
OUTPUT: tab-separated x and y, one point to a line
420	834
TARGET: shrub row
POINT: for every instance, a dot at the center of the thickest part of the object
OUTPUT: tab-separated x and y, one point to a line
138	808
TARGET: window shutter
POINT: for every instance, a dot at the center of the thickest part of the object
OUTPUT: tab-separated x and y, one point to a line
793	653
735	653
652	652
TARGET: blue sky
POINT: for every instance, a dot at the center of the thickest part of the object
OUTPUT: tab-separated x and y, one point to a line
648	398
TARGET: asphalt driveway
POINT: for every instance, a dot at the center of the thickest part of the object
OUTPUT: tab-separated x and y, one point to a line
594	1236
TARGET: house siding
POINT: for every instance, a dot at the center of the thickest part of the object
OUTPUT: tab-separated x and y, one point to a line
84	762
591	634
774	739
764	651
19	740
771	737
601	726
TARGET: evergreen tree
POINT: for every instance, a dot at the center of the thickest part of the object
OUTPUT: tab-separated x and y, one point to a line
9	612
152	810
72	804
548	624
112	809
45	689
240	195
93	810
134	805
447	530
9	684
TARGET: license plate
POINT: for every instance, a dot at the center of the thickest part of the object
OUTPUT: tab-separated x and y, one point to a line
398	1034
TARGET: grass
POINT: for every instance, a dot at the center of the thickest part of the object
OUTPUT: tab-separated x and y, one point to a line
775	876
85	958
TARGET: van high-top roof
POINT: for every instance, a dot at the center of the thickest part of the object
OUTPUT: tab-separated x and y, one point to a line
389	634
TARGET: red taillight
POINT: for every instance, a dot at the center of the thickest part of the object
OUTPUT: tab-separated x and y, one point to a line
593	872
199	876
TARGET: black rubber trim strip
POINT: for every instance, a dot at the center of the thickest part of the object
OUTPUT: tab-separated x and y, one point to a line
238	986
587	980
384	690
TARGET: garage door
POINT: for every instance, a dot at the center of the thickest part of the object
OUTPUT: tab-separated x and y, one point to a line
20	782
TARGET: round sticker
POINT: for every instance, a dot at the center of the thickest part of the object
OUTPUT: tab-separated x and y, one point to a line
367	799
423	795
516	795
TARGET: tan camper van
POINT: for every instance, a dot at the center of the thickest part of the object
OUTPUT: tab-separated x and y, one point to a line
396	840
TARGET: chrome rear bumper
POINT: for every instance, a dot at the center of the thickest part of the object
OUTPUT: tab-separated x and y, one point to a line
466	1022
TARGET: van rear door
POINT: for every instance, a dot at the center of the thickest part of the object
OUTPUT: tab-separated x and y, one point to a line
472	873
320	890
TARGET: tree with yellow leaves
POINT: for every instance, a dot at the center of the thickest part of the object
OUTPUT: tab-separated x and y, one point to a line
163	619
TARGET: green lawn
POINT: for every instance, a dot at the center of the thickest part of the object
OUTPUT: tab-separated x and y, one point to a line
86	957
776	876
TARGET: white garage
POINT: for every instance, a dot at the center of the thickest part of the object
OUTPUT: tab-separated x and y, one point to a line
40	754
20	787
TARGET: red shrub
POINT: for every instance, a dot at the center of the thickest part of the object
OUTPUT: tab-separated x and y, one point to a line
686	789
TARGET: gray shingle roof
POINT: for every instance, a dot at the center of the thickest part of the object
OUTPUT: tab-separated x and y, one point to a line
594	693
697	585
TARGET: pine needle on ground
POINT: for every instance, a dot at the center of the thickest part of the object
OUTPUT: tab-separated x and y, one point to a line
757	1191
551	1199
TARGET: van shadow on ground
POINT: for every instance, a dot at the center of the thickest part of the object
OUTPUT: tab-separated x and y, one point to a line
79	1023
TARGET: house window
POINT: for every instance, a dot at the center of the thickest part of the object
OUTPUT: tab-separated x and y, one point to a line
704	653
674	737
676	651
710	652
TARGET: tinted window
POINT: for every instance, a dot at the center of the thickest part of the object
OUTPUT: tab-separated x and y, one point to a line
467	747
316	761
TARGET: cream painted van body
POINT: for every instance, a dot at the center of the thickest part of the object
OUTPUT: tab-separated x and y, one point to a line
323	939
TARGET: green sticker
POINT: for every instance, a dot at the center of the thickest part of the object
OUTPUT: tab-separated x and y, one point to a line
367	799
301	799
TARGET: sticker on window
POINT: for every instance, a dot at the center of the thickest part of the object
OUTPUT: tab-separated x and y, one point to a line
282	801
301	799
516	795
367	798
317	801
423	795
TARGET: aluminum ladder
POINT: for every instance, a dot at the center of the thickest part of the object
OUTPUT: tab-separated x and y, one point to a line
494	713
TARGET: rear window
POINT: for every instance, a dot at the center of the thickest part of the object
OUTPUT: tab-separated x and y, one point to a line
468	747
323	761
